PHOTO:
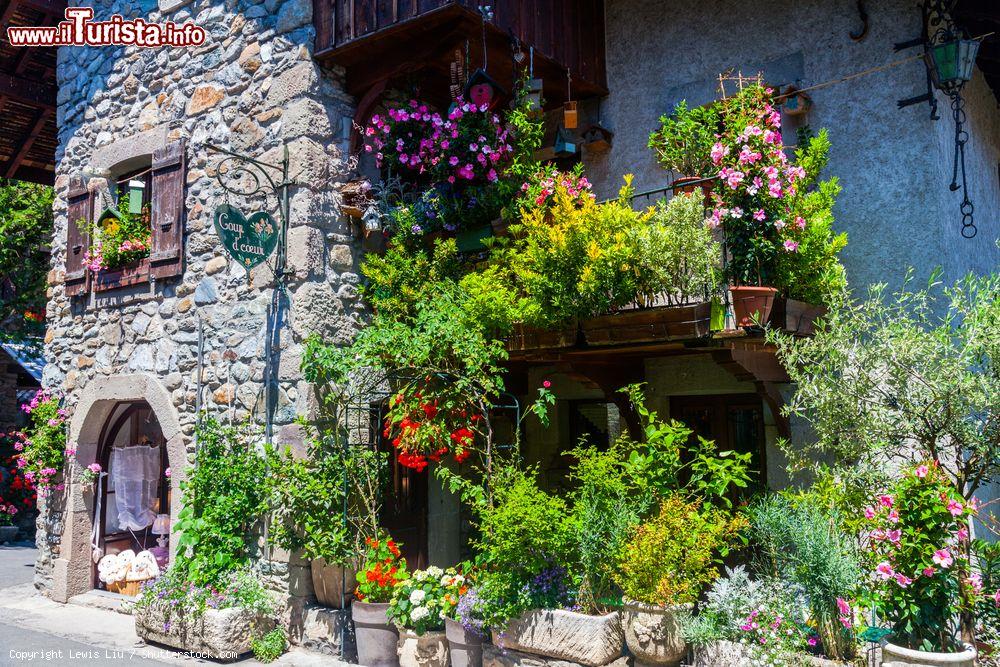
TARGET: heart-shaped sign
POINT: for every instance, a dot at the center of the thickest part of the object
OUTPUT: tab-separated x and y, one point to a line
249	241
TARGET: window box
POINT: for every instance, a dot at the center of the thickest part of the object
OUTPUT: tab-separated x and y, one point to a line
222	634
662	323
132	273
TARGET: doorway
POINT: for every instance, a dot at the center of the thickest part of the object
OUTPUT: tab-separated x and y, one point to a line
135	491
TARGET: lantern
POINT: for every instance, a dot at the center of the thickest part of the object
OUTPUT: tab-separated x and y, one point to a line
950	63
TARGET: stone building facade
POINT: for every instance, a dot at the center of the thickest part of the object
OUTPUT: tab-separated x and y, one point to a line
256	87
252	87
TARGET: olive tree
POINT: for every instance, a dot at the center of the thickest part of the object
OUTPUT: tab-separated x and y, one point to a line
908	375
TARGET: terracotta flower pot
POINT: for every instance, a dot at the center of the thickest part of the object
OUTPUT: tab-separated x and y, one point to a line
752	305
899	656
466	647
427	650
328	583
376	637
653	633
689	184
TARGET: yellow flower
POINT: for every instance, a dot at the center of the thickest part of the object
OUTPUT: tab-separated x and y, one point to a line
111	227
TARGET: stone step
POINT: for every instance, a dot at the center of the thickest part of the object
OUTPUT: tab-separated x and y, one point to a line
104	600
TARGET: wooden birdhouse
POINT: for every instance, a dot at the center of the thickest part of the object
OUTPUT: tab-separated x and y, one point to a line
565	145
135	189
482	89
570	115
796	103
535	95
597	138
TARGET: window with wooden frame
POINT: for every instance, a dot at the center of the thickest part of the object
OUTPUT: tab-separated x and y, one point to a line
162	193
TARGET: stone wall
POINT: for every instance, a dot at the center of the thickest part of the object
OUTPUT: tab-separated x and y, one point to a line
252	87
894	164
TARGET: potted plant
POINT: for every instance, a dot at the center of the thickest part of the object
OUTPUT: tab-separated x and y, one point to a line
683	144
466	630
668	265
777	225
662	570
419	607
324	505
120	244
376	636
41	448
8	531
918	563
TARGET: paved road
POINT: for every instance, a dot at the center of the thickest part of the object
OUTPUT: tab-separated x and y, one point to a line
23	646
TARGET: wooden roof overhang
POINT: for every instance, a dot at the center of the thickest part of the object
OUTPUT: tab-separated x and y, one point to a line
28	134
981	17
746	356
381	44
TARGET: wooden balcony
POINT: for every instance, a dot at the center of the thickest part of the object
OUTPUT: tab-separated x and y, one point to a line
381	41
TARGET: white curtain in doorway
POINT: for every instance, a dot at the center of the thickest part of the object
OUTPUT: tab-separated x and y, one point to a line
135	474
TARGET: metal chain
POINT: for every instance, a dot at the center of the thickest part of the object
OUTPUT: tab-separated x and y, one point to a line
969	229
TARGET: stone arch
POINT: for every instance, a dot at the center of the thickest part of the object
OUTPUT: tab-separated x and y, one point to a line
72	572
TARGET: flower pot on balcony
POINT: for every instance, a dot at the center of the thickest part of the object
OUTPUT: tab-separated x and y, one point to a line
688	184
376	637
427	650
466	648
328	583
653	633
752	305
795	317
649	325
565	635
524	337
898	656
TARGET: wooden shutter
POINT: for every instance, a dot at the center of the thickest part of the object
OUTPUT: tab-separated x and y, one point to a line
80	205
166	257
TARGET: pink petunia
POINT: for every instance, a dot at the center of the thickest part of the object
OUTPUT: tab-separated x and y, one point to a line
903	580
869	513
885	501
929	571
791	246
956	508
894	535
921	471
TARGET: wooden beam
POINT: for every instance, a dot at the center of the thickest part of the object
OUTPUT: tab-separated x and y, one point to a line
24	90
55	7
27	142
35	175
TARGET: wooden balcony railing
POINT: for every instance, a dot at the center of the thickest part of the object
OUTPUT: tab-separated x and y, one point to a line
376	39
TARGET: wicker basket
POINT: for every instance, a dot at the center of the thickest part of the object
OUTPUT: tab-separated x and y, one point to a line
130	588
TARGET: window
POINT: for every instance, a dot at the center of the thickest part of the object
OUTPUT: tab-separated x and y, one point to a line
162	208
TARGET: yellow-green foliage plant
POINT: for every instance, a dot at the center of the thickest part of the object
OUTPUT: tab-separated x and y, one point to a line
672	557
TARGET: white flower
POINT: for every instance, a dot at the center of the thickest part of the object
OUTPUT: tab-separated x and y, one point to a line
434	571
419	613
417	596
447	581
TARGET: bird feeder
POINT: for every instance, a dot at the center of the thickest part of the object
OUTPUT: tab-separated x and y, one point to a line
135	189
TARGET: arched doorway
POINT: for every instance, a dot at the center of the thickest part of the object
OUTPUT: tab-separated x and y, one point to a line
133	505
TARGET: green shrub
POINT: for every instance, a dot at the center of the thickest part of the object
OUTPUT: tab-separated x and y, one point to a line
224	498
803	544
683	142
269	647
672	557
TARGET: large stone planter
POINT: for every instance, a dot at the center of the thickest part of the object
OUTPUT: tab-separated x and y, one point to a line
8	533
653	633
721	654
567	635
221	634
427	650
376	637
466	648
328	583
898	656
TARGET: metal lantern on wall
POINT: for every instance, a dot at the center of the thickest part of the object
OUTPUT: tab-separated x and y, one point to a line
951	62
